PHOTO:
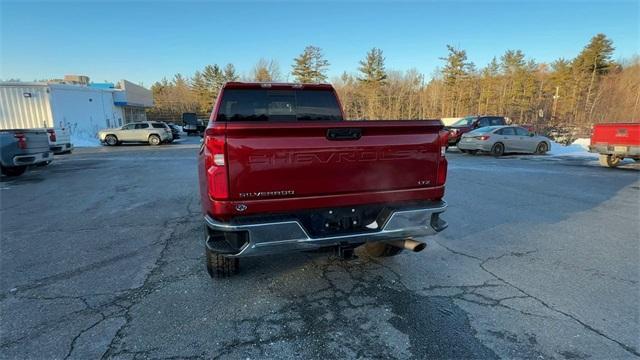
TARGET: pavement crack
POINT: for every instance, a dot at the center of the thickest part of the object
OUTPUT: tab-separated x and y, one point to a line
82	332
624	346
136	294
482	265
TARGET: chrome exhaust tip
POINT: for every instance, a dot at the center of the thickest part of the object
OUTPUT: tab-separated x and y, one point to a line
409	244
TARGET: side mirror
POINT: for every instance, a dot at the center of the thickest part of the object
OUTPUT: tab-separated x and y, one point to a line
532	134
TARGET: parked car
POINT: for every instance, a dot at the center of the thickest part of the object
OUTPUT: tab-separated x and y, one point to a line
192	125
279	170
471	123
22	148
615	141
152	132
499	140
175	131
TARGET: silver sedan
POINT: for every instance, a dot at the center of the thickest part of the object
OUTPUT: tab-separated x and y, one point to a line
499	140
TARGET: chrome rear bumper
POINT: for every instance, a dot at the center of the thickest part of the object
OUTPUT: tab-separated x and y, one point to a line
285	236
32	159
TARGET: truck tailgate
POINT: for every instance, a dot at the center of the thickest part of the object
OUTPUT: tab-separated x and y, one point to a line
627	134
302	159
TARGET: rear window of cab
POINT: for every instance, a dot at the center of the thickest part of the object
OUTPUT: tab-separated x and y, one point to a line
278	105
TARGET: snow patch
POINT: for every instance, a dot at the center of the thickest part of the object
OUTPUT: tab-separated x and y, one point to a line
84	141
579	148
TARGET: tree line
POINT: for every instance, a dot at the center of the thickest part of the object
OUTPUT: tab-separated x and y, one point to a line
566	93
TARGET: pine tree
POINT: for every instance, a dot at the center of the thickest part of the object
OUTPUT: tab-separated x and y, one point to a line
456	65
454	73
592	62
489	88
560	84
372	68
213	78
310	66
202	93
373	77
596	55
230	73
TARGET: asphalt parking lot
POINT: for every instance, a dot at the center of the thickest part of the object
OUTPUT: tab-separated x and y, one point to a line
102	256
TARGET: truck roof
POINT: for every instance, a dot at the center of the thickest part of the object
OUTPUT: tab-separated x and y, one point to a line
276	85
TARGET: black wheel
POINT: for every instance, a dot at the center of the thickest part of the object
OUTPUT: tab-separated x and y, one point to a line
154	140
111	140
609	160
381	249
542	148
13	170
497	149
219	266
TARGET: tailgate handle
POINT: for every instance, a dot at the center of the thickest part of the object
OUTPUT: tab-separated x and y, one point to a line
344	134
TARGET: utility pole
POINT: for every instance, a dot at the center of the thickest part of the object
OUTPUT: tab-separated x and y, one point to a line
555	103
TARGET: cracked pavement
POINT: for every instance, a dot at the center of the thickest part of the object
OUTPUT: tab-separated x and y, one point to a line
101	257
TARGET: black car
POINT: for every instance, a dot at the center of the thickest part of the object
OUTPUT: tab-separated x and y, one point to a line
175	131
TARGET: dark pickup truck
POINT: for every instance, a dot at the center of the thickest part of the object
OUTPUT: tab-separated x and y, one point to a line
22	148
191	124
280	170
471	123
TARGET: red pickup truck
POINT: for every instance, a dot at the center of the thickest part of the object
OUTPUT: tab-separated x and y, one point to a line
615	141
280	170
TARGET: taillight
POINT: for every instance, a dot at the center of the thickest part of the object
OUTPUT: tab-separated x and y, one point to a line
215	164
22	140
483	137
441	176
52	134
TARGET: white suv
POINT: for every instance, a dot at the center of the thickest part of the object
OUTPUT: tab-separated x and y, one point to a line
151	132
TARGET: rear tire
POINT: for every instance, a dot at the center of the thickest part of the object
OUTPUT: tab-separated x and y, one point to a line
381	249
13	171
609	160
219	266
542	148
497	149
111	140
154	140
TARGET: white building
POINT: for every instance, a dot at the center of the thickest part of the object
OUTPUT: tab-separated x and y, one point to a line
79	107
